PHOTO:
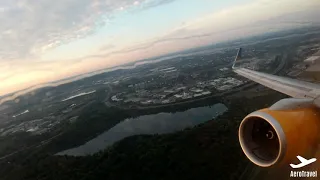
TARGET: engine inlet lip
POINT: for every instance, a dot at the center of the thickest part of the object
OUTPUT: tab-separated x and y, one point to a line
279	131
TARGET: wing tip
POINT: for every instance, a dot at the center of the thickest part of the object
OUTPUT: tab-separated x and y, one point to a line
238	57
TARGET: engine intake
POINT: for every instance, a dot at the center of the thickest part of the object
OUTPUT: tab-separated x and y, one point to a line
269	137
262	139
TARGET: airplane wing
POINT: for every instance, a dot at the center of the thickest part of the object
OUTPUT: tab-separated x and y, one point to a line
292	87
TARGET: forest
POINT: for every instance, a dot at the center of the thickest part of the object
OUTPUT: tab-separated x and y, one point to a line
207	151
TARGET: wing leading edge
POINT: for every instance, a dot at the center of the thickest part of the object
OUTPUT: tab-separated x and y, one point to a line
292	87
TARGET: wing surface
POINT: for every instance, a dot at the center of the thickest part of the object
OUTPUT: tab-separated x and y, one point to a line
292	87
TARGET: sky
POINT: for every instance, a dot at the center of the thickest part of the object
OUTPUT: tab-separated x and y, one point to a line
51	40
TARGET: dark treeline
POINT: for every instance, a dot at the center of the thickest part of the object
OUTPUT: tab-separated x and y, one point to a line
207	151
97	118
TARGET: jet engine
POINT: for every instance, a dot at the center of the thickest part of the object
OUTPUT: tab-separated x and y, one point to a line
278	134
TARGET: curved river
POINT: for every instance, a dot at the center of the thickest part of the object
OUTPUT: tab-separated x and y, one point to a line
149	124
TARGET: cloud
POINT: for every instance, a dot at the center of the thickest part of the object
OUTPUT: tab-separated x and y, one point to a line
142	46
151	4
107	47
29	28
229	23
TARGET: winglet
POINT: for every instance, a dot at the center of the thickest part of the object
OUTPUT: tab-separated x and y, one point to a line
237	57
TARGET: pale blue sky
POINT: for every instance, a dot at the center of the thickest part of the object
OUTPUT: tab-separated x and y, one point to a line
50	40
135	25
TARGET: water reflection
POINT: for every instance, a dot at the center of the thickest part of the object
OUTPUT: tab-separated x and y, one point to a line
150	124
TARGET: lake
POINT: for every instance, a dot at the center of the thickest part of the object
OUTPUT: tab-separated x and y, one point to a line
149	124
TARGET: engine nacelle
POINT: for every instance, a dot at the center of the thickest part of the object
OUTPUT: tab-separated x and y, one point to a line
270	137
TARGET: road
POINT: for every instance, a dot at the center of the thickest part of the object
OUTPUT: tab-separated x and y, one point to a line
280	68
240	88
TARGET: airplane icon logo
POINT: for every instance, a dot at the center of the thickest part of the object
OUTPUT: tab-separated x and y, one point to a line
304	162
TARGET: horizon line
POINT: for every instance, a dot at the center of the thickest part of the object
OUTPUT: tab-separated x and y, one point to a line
12	95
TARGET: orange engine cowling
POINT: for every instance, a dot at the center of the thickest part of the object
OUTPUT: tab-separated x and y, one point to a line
270	137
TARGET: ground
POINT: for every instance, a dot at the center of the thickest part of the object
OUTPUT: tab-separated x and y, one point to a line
37	125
